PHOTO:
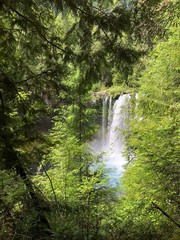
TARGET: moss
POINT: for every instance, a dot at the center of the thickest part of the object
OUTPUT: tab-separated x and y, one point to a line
118	90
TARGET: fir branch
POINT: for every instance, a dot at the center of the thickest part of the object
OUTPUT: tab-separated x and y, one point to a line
41	34
98	23
3	121
35	76
16	90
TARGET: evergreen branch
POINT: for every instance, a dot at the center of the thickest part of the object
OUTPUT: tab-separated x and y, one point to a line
21	235
16	90
29	78
3	110
3	121
98	23
100	10
42	35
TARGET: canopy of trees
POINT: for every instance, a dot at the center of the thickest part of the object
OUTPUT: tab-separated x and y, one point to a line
54	55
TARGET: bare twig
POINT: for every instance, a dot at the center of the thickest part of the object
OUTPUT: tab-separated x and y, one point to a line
165	214
35	76
51	183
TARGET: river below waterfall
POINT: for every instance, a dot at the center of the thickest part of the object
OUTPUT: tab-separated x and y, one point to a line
110	140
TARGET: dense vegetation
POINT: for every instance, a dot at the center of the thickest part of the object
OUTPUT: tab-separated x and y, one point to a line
53	56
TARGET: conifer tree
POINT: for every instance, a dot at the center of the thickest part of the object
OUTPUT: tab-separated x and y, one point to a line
151	179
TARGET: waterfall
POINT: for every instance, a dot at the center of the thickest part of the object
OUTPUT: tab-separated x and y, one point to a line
111	141
104	122
110	112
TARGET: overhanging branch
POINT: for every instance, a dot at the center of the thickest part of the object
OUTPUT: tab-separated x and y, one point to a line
165	214
41	34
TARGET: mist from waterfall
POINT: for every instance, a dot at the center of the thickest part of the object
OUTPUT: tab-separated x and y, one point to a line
110	140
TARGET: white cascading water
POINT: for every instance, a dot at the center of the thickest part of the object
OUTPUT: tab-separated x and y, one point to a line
110	141
104	118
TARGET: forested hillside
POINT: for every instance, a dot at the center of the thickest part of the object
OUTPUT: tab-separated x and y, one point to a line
58	58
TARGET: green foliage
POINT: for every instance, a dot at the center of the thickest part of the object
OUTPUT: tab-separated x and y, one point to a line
116	90
77	180
152	20
53	54
152	174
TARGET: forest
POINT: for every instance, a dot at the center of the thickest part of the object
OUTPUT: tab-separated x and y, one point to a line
59	59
